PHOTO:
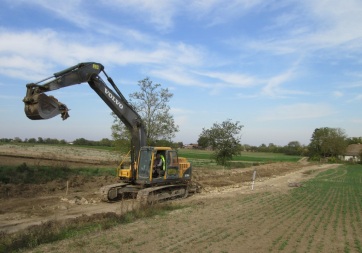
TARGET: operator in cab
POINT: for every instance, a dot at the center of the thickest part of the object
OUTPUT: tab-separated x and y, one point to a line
158	166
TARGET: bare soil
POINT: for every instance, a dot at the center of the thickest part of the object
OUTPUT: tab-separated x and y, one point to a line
28	204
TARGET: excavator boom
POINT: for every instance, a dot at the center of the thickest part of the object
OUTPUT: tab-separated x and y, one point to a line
40	106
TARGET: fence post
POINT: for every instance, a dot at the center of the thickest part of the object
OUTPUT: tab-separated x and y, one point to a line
252	185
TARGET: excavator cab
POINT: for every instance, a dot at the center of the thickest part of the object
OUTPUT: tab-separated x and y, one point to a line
146	163
147	157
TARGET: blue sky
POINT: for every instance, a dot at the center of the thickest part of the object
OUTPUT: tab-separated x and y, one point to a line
281	68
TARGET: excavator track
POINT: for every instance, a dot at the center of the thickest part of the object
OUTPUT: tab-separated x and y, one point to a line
154	195
109	193
151	195
194	187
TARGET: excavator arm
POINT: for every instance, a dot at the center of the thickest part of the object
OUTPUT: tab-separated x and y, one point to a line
40	106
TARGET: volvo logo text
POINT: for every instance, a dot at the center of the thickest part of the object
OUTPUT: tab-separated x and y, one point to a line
114	99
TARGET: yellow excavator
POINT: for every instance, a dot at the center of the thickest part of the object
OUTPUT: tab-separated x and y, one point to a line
139	179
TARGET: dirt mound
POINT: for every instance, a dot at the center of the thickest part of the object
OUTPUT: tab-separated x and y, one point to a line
70	156
227	177
73	184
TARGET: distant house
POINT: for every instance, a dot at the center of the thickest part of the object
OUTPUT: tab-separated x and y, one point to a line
191	146
353	153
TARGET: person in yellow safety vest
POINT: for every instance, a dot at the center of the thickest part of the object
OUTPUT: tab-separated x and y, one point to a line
159	166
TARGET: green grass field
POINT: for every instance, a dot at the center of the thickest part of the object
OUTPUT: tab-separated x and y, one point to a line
203	158
322	216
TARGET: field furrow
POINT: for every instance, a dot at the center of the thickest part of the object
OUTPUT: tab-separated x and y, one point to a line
325	215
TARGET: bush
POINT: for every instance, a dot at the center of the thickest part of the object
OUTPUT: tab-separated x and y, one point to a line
24	174
54	230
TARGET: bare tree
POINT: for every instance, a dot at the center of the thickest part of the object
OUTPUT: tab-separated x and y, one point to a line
152	104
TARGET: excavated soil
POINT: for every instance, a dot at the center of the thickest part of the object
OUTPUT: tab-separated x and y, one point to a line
23	205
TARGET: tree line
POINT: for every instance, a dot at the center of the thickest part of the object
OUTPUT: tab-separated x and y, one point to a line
80	141
326	143
224	140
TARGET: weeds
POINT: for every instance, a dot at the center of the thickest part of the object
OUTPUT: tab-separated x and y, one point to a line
24	174
52	231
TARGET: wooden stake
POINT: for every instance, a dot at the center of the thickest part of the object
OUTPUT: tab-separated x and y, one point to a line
252	185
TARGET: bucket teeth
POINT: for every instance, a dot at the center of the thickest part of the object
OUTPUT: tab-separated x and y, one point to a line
41	106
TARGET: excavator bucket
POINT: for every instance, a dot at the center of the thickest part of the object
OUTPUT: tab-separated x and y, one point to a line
41	106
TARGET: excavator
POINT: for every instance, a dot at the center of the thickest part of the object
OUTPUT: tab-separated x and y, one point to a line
138	179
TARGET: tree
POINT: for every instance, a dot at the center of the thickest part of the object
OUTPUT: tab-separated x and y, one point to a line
32	140
293	148
354	140
120	135
80	141
262	148
152	104
179	144
17	139
105	142
327	142
224	139
203	142
272	147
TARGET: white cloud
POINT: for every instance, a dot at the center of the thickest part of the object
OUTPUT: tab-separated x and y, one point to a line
160	13
34	54
76	12
218	11
332	27
352	85
178	75
297	111
338	94
71	10
357	97
13	98
357	121
231	79
245	95
272	88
